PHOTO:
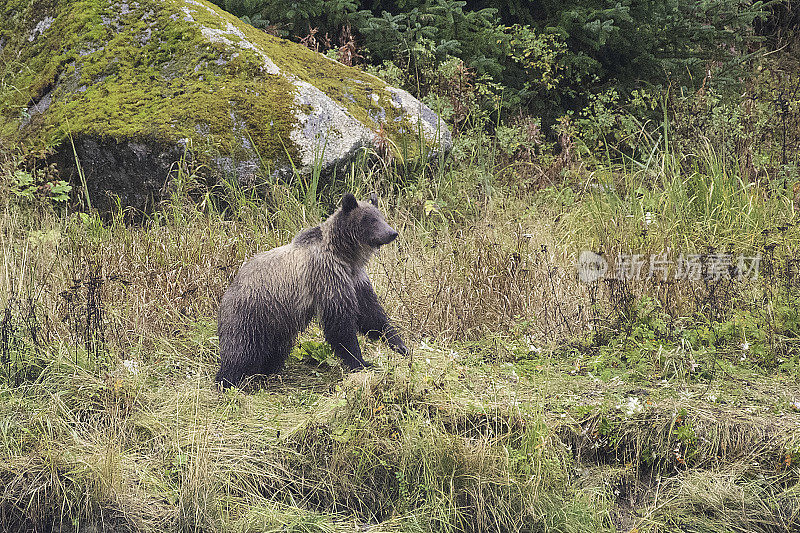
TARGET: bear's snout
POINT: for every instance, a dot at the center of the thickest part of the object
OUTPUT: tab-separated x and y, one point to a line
385	238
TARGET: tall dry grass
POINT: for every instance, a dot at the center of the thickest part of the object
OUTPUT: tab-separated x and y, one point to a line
109	418
498	274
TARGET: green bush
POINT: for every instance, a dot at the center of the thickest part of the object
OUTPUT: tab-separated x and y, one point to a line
547	56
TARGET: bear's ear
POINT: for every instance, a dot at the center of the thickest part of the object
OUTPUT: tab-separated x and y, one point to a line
373	199
349	202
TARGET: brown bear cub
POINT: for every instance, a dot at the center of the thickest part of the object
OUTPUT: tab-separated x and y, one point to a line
321	273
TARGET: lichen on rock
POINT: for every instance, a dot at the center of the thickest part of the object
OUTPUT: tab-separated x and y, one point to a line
149	78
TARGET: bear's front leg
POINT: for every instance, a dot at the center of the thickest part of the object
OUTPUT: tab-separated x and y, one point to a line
372	319
340	333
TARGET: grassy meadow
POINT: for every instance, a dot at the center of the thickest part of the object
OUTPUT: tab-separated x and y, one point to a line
531	401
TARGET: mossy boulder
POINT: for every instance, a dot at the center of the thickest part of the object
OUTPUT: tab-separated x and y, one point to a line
133	85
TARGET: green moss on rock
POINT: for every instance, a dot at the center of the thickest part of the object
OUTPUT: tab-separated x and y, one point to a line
134	71
162	72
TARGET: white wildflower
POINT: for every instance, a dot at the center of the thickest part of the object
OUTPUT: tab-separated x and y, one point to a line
634	406
131	366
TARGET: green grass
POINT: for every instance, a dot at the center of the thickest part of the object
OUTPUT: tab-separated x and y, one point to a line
159	447
531	401
688	203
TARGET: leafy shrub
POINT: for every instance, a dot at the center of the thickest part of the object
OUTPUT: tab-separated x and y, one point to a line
548	56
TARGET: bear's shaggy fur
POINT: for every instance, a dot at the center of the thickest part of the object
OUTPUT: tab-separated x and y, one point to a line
321	273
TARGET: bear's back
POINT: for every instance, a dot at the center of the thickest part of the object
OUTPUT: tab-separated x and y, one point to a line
277	277
308	237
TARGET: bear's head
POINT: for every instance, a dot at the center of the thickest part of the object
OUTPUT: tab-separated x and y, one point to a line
358	228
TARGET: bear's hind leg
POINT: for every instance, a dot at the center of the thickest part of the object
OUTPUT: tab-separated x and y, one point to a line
249	345
274	355
233	373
